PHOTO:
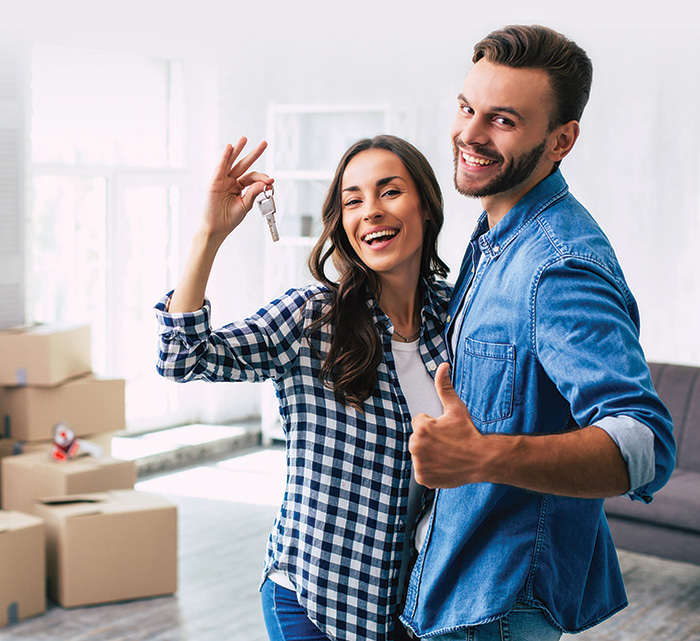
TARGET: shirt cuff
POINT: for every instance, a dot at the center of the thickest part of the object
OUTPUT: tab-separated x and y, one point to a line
636	443
194	325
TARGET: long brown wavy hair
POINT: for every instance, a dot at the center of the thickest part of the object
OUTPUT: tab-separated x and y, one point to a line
350	367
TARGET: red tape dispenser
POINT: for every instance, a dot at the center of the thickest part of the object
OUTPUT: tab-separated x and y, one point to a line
66	446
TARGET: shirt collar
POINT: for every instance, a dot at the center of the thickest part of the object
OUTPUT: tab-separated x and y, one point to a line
493	241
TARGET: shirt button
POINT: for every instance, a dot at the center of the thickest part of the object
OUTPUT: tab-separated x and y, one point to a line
432	367
402	526
496	249
449	318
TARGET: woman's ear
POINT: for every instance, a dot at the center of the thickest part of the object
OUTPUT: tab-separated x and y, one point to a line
562	140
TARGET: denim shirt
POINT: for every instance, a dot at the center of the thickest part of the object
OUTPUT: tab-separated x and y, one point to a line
549	342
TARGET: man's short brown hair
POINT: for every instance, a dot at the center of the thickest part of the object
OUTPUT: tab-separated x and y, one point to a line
569	68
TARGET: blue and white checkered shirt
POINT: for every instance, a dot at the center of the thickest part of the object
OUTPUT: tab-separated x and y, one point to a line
340	531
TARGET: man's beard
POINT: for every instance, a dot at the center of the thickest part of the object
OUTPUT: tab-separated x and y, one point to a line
516	173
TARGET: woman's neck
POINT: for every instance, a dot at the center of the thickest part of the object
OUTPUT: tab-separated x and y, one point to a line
401	302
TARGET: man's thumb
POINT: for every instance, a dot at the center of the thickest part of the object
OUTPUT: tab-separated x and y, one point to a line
443	386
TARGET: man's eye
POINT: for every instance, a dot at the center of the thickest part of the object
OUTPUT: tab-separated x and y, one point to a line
466	109
506	122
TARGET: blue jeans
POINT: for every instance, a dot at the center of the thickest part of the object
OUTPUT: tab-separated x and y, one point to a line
520	624
285	619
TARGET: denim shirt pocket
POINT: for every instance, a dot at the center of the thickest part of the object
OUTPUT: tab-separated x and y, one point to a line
487	377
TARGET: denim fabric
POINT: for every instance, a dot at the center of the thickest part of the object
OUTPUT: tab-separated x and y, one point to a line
520	624
549	341
285	619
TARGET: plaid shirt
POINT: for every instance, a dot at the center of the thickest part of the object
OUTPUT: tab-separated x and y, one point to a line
340	531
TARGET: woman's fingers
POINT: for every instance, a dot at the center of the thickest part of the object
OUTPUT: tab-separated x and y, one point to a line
253	177
244	164
227	159
250	194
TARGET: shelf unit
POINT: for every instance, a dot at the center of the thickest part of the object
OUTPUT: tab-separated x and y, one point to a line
306	142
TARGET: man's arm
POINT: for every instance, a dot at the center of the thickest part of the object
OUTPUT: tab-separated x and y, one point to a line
449	451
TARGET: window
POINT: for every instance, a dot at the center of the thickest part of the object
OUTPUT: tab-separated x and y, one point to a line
107	179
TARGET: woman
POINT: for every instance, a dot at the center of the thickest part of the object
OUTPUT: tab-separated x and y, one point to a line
351	361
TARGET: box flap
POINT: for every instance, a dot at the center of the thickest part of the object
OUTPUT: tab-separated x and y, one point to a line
43	328
74	499
20	329
13	520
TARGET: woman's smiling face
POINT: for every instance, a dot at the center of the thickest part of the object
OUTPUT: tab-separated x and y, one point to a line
382	213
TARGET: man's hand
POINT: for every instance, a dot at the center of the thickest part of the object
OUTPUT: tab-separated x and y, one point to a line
447	450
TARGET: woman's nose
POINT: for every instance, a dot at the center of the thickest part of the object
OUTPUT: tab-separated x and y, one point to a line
373	209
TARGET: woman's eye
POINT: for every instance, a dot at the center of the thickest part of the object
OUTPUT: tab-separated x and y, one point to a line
349	203
391	192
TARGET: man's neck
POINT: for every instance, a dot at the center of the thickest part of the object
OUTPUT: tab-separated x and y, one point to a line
498	205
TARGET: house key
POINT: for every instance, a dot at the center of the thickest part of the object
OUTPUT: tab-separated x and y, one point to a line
267	209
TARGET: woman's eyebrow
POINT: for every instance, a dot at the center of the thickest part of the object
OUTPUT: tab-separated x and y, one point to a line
380	183
383	181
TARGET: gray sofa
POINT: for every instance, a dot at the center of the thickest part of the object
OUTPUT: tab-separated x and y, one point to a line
669	526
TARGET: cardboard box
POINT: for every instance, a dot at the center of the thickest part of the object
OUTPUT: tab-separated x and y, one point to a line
111	546
90	405
8	447
12	447
44	354
26	477
22	567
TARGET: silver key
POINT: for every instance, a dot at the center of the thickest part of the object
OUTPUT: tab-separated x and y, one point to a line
267	209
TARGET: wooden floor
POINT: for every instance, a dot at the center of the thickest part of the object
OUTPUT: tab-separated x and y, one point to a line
226	510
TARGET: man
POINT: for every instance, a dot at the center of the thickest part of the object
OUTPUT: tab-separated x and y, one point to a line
554	408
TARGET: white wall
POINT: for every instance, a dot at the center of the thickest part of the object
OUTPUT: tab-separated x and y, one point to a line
636	165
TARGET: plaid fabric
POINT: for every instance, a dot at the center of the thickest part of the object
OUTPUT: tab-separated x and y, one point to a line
340	531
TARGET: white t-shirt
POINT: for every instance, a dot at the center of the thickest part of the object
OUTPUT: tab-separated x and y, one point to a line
419	389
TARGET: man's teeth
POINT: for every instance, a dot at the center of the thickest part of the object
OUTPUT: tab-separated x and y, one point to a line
477	161
387	233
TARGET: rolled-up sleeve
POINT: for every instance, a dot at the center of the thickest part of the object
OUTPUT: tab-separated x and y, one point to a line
636	444
257	348
588	343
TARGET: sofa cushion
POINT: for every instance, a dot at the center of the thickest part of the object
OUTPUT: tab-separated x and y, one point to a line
676	505
678	386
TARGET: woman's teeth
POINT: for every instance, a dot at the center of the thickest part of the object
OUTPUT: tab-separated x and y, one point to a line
379	235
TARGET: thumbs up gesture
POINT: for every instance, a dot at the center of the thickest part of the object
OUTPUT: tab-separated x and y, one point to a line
448	450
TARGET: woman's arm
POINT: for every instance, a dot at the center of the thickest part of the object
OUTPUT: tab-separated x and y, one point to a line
230	196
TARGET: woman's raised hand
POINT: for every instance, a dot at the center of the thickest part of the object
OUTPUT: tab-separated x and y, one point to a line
230	196
232	191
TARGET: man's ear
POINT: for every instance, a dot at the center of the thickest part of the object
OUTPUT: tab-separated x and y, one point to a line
562	140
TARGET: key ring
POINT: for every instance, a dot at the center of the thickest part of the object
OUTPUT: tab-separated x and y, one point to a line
272	191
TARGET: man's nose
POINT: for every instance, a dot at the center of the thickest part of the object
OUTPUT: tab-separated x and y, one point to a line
473	132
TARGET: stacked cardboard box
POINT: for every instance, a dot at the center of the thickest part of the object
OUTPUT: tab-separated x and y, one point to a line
32	476
90	405
103	540
46	378
22	566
